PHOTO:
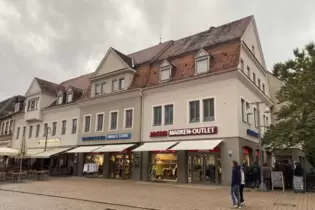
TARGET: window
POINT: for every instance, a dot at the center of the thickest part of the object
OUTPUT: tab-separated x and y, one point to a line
64	127
103	86
17	106
60	99
121	83
128	118
37	130
208	109
202	65
97	89
254	77
54	129
69	97
32	104
45	129
165	74
24	130
87	123
243	106
194	111
247	115
258	83
242	65
248	71
99	122
30	132
114	85
157	115
253	49
74	126
113	120
168	114
267	121
17	133
263	88
255	117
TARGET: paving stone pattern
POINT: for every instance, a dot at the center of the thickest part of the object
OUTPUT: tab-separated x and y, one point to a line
100	194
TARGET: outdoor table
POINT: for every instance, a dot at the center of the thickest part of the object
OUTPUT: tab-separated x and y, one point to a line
41	175
16	176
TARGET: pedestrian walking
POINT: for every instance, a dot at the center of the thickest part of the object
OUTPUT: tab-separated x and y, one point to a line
242	187
267	175
256	175
235	184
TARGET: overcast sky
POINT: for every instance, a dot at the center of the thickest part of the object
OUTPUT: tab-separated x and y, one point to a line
57	40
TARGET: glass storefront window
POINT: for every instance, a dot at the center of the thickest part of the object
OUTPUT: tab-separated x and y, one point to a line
95	158
163	167
121	166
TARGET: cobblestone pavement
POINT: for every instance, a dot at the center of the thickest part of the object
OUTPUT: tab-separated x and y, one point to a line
83	193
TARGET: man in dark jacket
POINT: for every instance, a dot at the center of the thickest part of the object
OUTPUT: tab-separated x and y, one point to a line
235	184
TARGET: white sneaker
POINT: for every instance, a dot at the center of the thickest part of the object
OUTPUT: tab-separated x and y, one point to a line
243	203
235	206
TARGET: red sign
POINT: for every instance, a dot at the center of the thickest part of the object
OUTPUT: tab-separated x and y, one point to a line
158	133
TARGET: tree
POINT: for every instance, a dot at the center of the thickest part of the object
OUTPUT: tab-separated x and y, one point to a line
296	116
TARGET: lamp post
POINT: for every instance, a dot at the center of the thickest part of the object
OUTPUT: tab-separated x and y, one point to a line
262	186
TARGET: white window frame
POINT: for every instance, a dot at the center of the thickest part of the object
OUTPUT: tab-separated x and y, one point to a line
201	59
18	130
152	115
125	117
97	93
163	115
201	110
242	65
62	127
52	128
30	131
69	97
37	136
103	87
83	127
119	84
60	96
76	130
17	106
166	68
113	86
44	129
96	121
246	116
110	120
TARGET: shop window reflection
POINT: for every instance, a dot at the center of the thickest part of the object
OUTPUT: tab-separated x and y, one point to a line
163	167
121	166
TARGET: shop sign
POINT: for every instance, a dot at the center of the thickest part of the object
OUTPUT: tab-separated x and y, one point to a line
50	142
193	131
252	133
108	137
158	133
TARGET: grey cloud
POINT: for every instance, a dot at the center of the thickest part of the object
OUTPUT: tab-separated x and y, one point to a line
57	40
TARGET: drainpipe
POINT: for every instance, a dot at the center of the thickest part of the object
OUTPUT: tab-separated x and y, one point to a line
140	129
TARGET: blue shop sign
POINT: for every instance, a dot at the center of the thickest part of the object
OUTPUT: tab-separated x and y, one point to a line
108	137
252	133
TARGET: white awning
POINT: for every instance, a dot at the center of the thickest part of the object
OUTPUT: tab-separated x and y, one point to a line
114	148
51	152
155	146
5	151
32	152
83	149
197	145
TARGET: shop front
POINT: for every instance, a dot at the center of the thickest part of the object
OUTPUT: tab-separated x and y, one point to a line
187	160
105	160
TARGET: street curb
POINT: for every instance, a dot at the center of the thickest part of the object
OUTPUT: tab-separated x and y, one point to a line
79	199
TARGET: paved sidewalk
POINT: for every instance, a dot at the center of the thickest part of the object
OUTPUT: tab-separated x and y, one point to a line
144	195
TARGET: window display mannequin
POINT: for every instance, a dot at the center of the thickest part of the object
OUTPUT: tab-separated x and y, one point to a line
159	169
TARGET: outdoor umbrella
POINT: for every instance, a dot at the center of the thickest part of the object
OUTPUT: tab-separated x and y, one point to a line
22	152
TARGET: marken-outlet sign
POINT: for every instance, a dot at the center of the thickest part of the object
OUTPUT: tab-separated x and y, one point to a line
186	132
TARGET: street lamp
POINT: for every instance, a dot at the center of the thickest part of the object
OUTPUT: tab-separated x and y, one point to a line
262	186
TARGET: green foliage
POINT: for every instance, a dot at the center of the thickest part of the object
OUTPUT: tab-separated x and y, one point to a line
297	103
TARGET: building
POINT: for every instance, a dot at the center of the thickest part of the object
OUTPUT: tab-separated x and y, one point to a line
199	109
8	108
50	118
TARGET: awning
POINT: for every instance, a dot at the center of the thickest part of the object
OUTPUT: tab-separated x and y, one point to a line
155	146
32	152
51	152
5	151
83	149
197	145
114	148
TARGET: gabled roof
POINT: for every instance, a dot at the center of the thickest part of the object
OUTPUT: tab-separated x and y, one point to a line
125	58
47	86
7	107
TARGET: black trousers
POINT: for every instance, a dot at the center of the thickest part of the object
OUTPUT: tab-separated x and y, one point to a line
241	192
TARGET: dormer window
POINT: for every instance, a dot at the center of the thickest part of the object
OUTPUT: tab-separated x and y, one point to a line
121	83
97	89
114	85
17	107
32	104
69	97
165	71
60	98
202	62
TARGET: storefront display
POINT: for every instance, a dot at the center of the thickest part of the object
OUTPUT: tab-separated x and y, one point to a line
120	165
163	166
95	158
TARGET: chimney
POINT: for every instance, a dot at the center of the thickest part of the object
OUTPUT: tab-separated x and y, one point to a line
212	27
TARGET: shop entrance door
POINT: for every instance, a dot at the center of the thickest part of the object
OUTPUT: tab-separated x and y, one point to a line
121	165
203	168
